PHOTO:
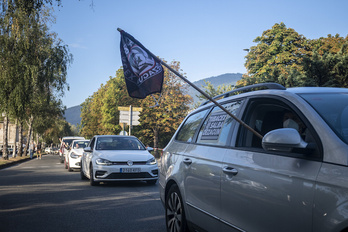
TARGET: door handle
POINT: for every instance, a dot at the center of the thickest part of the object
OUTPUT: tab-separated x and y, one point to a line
230	170
187	161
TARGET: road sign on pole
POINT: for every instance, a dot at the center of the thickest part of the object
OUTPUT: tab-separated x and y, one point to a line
130	116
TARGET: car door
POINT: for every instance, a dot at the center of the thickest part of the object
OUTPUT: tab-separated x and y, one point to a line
268	191
203	163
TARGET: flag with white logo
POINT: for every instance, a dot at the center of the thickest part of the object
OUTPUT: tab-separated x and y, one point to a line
143	72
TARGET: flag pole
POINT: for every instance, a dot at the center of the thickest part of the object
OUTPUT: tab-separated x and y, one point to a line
201	91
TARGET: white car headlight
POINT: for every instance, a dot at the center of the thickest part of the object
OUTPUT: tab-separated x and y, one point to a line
151	161
103	162
74	155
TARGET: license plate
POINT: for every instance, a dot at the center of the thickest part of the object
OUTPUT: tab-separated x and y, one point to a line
130	170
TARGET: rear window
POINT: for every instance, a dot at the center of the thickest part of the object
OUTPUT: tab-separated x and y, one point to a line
333	108
188	130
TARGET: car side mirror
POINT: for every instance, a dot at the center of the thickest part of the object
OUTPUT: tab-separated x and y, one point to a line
87	149
284	140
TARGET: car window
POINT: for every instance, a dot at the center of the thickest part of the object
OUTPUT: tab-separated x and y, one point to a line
91	145
333	108
216	128
265	115
188	130
80	144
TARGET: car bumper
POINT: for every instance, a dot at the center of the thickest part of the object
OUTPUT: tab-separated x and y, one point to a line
125	173
75	163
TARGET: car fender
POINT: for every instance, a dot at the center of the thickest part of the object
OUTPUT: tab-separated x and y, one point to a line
330	211
335	221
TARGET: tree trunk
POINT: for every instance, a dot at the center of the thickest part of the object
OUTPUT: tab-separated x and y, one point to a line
15	139
20	139
30	130
5	139
155	142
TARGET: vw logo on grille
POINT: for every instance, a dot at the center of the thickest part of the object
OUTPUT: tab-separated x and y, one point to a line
130	163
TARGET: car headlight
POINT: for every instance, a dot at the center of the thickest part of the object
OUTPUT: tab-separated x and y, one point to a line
151	161
103	162
74	155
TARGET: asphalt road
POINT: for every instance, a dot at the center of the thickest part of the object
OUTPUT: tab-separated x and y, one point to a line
40	195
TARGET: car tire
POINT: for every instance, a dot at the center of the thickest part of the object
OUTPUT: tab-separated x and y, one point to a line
91	177
69	168
151	182
83	177
174	211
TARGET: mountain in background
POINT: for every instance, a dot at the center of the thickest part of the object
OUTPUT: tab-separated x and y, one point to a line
227	79
73	114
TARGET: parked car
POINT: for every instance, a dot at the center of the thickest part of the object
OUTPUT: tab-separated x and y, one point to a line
48	150
55	151
118	158
73	159
218	175
65	146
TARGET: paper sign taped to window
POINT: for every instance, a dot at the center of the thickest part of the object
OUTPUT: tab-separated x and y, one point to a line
214	125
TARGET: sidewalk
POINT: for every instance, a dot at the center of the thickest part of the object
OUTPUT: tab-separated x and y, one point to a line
13	161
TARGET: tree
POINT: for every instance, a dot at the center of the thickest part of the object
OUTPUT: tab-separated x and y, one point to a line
278	51
210	90
99	113
34	61
115	95
158	124
285	57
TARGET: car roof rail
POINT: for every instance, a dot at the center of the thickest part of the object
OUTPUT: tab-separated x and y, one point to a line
267	85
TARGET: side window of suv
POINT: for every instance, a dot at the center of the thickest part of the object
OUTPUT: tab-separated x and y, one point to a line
216	128
190	126
264	115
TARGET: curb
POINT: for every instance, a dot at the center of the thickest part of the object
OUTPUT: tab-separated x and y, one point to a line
17	162
13	163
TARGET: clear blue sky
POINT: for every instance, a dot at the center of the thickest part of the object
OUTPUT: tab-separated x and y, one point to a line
207	37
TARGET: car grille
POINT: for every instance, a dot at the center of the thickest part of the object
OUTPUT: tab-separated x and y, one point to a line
125	163
129	175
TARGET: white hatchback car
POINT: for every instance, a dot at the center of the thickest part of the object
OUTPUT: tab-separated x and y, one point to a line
118	158
74	156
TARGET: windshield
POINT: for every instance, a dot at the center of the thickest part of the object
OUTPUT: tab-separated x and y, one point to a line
333	108
119	143
80	144
68	142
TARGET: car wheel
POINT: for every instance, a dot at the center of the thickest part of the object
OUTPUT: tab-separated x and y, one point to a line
69	168
83	177
91	177
174	210
65	164
151	182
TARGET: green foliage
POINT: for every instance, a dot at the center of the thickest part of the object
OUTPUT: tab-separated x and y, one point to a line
34	64
158	124
100	114
283	56
210	90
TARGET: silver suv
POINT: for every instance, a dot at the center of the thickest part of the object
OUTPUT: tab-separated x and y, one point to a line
217	175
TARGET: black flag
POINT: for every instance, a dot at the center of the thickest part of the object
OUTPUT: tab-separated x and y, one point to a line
143	72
